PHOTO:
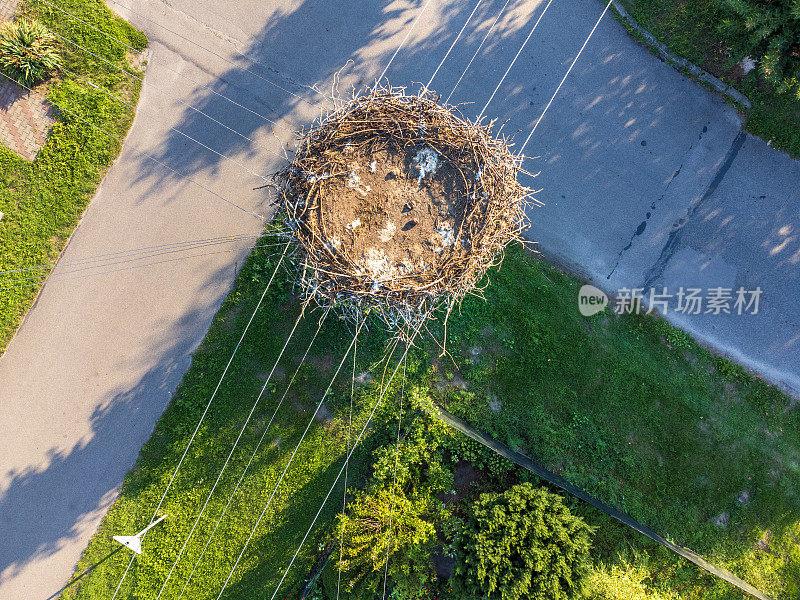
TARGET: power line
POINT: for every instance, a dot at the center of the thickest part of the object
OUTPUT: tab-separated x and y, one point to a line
227	60
553	97
176	130
140	152
205	411
145	250
255	451
394	479
235	444
123	259
535	25
172	96
173	70
360	435
182	37
59	279
243	55
347	450
408	33
483	41
455	41
291	458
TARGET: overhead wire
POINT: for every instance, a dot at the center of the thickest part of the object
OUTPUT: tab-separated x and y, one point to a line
563	79
194	43
394	479
57	278
205	411
144	250
236	443
350	451
514	60
114	261
347	450
140	152
171	69
405	354
243	54
289	463
147	115
255	451
355	443
483	41
229	61
402	43
168	95
455	41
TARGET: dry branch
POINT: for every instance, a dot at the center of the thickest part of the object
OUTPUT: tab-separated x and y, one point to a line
388	119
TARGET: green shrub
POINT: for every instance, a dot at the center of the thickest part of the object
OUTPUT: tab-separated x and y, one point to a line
625	582
28	52
397	515
479	456
769	31
523	544
382	525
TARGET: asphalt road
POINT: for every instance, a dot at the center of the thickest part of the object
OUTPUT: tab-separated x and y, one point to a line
645	176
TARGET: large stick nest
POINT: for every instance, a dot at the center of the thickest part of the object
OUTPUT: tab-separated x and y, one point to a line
398	204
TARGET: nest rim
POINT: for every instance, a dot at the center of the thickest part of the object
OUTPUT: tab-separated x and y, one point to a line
387	117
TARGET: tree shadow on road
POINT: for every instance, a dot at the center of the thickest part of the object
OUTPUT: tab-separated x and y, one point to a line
309	45
42	510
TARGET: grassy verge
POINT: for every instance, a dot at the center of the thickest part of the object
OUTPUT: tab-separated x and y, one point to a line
638	414
627	407
314	468
689	29
42	201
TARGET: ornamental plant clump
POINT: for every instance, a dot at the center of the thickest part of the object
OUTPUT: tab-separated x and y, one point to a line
523	544
28	52
769	31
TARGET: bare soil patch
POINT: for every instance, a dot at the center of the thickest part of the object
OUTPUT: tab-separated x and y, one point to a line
388	219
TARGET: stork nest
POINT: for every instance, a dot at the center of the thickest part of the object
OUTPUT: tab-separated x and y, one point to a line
399	204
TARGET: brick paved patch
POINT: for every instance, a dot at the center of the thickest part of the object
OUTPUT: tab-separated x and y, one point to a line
25	119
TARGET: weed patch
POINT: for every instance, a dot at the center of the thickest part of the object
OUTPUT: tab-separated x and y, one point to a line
42	201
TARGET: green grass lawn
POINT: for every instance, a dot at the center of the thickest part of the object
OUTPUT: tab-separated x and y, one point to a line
639	415
314	468
43	200
689	29
627	407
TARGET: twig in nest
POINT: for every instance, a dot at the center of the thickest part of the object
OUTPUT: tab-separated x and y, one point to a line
492	202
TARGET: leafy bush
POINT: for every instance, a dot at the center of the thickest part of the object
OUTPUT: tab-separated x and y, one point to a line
380	526
769	31
479	456
396	518
626	582
523	544
28	52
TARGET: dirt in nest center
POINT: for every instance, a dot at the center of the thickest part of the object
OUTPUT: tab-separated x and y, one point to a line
395	213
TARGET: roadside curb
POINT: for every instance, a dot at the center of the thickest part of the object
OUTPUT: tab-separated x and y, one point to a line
682	63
